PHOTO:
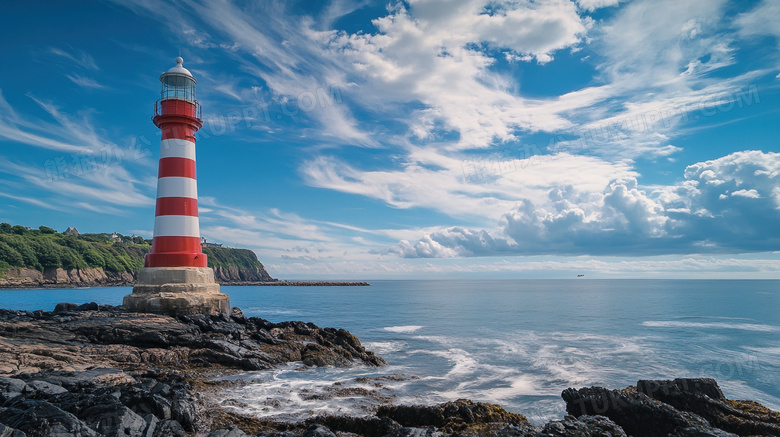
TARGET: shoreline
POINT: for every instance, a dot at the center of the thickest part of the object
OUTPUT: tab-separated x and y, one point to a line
278	283
99	370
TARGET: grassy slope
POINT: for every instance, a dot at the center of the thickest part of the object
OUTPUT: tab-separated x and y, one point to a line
45	248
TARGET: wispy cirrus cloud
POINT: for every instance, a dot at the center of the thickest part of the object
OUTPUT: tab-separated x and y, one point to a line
22	130
78	57
113	185
84	82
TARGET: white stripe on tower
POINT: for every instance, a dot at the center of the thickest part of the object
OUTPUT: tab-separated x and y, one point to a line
176	226
177	187
175	148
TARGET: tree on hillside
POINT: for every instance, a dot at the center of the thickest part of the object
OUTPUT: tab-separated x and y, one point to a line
49	254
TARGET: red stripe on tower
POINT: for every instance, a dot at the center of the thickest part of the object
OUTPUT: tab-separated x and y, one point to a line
176	228
180	167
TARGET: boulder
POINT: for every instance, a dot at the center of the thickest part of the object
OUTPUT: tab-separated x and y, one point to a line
703	397
461	415
638	414
40	418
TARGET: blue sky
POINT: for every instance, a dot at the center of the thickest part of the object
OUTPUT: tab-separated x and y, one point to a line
414	139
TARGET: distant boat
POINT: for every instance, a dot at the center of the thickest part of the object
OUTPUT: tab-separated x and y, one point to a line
580	276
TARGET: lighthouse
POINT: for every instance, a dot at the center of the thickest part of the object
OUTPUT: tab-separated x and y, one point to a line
176	278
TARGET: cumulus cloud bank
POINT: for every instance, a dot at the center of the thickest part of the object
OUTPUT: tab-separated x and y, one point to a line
696	215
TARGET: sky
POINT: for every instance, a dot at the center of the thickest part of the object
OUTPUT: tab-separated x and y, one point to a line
360	139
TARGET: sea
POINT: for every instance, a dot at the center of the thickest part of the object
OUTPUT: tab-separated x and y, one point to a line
517	343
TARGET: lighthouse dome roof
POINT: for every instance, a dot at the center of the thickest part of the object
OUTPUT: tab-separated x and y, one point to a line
179	68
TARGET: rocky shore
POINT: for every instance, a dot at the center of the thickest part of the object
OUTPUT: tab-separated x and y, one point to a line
94	370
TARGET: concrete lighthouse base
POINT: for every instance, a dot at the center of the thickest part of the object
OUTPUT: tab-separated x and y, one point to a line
177	290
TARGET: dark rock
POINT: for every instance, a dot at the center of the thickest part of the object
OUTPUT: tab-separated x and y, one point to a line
318	431
152	422
461	415
584	426
170	428
697	431
46	388
703	396
11	388
687	386
64	307
365	426
6	431
416	432
92	306
516	431
114	420
228	432
638	414
40	418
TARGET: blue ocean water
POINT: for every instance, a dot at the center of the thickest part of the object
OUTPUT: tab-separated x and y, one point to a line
515	343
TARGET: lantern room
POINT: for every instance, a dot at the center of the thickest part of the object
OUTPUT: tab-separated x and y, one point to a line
177	95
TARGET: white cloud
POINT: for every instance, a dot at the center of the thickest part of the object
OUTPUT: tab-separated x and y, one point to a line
84	82
444	183
761	20
21	130
592	5
692	216
79	57
428	54
750	194
89	173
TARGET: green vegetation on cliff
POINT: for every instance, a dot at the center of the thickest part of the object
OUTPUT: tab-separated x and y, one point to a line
45	248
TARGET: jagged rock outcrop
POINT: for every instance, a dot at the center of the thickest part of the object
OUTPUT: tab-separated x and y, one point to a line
78	337
703	397
462	418
93	370
460	415
680	407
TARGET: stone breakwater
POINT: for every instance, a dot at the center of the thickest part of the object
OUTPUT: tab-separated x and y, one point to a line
283	283
94	370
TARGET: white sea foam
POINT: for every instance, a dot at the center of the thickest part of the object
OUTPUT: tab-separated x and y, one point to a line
251	311
772	350
384	347
463	362
711	325
287	393
404	329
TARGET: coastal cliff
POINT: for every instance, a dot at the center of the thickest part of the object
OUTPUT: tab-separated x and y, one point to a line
25	277
234	274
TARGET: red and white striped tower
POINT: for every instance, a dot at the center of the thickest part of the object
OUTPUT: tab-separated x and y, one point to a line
176	278
176	230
